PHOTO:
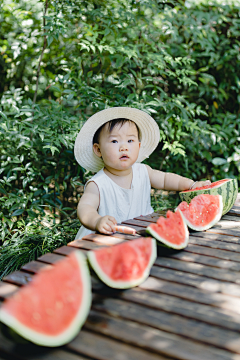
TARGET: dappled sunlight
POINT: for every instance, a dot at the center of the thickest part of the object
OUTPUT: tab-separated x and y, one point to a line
226	224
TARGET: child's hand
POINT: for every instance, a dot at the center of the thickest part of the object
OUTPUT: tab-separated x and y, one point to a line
106	224
198	184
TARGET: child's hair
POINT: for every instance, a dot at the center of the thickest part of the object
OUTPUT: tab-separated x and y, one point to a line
111	125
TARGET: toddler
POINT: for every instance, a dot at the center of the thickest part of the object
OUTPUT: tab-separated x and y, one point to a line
112	143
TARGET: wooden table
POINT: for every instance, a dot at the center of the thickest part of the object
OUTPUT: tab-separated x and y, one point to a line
189	307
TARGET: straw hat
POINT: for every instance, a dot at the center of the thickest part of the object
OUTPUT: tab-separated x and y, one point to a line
83	148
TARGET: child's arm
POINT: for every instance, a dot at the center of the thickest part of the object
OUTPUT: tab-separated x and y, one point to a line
170	181
88	215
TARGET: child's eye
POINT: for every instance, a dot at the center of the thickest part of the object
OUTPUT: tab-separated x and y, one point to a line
130	141
114	141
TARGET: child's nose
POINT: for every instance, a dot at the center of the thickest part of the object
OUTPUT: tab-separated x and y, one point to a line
123	146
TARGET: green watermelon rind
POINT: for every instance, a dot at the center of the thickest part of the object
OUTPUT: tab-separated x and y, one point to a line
72	330
122	284
224	189
164	242
209	225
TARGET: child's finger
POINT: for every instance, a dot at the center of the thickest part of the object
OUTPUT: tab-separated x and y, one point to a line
113	220
108	229
207	182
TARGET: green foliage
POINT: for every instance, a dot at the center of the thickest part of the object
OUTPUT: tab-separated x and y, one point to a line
30	241
60	62
209	35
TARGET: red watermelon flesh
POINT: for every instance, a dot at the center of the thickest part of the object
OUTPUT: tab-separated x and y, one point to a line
126	264
211	186
50	310
203	212
171	231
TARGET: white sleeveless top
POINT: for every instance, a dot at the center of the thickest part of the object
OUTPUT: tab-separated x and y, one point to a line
122	203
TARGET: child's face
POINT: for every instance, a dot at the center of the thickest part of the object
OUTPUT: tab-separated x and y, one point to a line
120	148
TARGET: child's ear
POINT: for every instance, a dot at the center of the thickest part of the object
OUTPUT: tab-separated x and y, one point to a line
96	150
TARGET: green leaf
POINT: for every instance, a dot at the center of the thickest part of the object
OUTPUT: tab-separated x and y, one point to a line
3	191
18	212
3	115
219	161
25	181
49	40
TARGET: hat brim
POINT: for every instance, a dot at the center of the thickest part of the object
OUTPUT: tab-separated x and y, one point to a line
83	148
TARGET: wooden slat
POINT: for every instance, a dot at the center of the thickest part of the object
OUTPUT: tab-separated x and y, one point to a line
182	307
84	244
216	253
64	250
106	239
101	347
222	275
50	258
211	238
34	266
175	324
230	247
230	217
11	351
234	212
237	204
138	223
228	232
227	224
148	218
198	281
7	290
207	260
221	301
153	339
18	278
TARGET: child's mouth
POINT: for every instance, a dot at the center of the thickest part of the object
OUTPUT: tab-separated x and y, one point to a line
123	157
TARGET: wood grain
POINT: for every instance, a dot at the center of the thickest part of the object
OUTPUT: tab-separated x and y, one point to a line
195	280
216	253
104	348
220	237
216	244
209	272
11	351
150	338
183	307
175	324
207	260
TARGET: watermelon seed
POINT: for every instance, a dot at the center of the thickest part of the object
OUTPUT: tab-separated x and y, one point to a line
70	299
50	312
59	305
36	316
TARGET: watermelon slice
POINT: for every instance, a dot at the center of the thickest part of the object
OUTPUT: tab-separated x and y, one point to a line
170	231
124	265
51	309
203	212
227	188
